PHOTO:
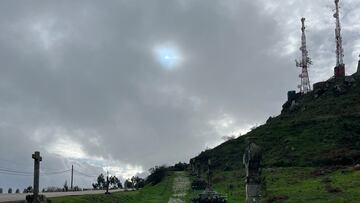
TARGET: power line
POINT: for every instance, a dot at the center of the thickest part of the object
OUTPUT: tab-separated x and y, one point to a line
14	174
86	175
56	172
14	171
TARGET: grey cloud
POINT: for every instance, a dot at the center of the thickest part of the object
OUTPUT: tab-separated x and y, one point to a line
94	72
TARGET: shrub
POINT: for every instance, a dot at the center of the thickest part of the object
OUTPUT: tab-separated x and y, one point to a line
157	174
28	190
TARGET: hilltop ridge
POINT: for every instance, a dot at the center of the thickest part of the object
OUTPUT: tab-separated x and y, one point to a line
319	128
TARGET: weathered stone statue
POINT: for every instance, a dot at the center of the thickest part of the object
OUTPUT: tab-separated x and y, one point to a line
251	160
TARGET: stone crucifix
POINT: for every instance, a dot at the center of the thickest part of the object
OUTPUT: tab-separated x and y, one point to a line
37	158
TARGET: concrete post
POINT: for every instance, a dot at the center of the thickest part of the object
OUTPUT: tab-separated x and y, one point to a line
37	158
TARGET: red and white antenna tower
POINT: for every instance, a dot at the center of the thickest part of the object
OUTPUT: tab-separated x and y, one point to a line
340	66
304	63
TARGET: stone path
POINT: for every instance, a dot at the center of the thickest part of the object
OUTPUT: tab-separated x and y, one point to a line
180	187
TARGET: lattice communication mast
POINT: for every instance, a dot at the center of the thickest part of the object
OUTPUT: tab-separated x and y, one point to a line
304	63
339	70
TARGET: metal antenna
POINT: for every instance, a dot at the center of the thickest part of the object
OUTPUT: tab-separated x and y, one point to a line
304	63
339	47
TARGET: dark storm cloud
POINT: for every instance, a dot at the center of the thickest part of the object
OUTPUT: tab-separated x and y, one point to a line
86	72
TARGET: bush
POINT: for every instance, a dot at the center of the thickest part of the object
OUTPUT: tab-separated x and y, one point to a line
1	190
128	184
77	188
276	198
10	190
157	174
179	167
54	189
17	191
198	184
28	190
137	182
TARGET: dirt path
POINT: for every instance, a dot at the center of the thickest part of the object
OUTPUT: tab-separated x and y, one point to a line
180	187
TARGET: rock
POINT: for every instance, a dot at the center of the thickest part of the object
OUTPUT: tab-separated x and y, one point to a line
357	167
293	106
338	90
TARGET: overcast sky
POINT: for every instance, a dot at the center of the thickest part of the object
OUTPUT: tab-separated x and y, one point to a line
125	85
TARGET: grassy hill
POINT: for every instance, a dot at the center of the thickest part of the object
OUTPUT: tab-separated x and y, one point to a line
159	193
319	128
309	150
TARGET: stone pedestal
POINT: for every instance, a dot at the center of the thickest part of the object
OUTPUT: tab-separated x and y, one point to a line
339	71
253	193
36	199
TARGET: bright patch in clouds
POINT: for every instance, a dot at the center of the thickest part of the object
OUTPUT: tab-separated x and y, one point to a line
168	56
44	32
67	148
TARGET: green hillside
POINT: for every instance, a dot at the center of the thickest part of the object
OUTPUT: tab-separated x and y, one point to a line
321	128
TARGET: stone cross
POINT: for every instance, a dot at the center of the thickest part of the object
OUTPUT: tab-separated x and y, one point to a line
251	160
37	158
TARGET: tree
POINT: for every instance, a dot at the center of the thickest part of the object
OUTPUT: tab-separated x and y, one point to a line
17	191
180	166
66	187
28	190
101	181
1	190
156	175
10	190
77	188
119	185
115	182
128	184
137	182
95	186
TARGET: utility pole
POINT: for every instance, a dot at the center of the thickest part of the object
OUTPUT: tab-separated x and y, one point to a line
304	63
72	176
339	70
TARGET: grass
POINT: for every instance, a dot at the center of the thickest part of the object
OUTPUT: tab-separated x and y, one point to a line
298	184
159	193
